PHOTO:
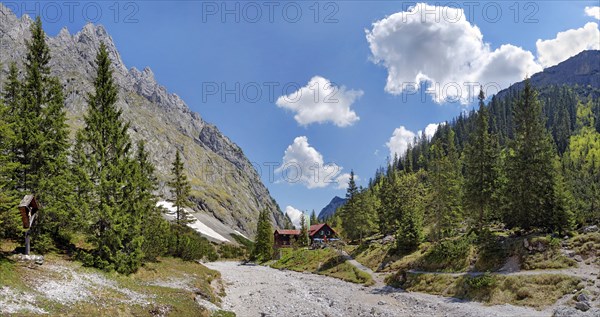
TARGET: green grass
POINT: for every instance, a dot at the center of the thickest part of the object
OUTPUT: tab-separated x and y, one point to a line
538	291
321	261
586	245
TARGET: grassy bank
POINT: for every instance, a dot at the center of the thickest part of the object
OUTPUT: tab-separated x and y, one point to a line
321	261
60	287
538	291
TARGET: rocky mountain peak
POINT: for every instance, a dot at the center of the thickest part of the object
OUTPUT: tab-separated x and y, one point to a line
225	185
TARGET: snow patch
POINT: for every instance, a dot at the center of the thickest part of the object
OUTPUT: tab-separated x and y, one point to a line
195	224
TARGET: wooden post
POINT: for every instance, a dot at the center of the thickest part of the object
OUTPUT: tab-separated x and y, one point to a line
27	247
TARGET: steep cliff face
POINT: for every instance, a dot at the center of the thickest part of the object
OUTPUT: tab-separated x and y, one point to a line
225	184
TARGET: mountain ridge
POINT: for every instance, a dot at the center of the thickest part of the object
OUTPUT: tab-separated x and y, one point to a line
225	185
328	211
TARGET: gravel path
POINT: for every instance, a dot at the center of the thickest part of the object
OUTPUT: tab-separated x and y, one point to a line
262	291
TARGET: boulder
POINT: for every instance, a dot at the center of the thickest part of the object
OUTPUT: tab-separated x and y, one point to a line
583	297
565	311
578	258
583	306
589	229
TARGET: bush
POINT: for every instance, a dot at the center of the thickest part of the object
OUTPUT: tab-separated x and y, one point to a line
192	246
448	255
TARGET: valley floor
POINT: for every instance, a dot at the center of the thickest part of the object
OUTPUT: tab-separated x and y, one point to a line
263	291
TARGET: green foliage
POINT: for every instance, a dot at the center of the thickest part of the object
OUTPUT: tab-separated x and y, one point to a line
114	191
303	239
450	255
409	204
531	200
263	245
358	216
481	174
446	187
193	247
180	191
313	218
481	281
582	164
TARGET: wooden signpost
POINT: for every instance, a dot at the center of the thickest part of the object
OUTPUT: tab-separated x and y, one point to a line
28	207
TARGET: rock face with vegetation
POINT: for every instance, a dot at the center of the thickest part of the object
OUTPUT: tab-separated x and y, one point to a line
225	185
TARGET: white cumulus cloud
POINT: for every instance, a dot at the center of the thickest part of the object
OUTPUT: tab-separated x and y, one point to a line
303	164
402	138
568	43
322	101
593	12
343	179
295	215
398	143
445	50
431	129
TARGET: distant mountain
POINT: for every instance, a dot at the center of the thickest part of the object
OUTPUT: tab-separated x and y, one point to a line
582	70
330	209
227	191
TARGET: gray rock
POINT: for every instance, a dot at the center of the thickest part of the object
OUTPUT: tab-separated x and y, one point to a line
583	306
589	229
578	258
583	297
226	185
565	311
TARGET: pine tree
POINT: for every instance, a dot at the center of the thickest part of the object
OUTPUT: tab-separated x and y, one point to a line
263	246
303	239
313	218
410	210
446	185
9	167
347	213
154	228
39	151
530	171
107	172
481	161
180	191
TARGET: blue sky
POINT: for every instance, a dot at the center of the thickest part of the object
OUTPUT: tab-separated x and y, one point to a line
189	49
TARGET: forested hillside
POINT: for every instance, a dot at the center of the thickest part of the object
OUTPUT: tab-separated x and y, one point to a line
528	160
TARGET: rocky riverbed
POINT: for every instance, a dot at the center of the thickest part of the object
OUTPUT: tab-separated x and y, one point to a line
262	291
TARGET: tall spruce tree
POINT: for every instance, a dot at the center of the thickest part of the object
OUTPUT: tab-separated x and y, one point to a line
107	171
410	209
9	166
481	163
39	150
446	186
180	192
263	245
531	176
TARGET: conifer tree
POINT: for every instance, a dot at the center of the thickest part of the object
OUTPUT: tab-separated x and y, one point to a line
154	228
481	161
107	171
263	246
531	177
410	210
303	239
39	150
313	218
180	192
446	185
